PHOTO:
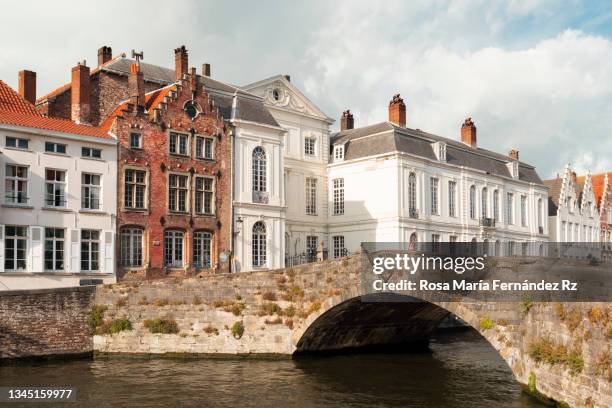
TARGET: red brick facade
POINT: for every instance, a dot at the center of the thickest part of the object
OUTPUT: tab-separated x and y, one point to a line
166	113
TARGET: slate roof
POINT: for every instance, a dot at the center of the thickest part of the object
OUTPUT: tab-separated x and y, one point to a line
385	137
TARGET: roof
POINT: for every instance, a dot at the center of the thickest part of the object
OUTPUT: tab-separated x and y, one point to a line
554	193
599	184
12	102
51	124
250	107
385	137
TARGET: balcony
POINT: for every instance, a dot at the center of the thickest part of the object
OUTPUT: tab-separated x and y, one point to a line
261	197
487	222
413	213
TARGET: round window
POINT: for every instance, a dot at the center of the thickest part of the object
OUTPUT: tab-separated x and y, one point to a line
191	110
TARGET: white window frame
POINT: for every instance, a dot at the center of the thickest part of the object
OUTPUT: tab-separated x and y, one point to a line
13	181
472	202
56	148
17	141
180	137
144	185
311	196
496	216
434	184
59	189
412	193
259	169
204	195
88	152
174	192
523	211
87	189
202	249
54	250
310	146
510	208
259	245
139	136
90	245
452	198
132	253
338	196
338	246
12	254
204	148
484	202
338	153
174	248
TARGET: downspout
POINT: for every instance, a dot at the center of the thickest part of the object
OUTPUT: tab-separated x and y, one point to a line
232	131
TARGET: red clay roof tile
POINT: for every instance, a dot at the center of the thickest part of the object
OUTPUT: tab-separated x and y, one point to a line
12	102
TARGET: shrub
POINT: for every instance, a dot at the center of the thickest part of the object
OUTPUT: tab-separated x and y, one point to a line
531	385
235	308
238	297
119	325
289	323
603	366
546	351
121	302
289	311
196	301
314	307
268	309
526	305
502	322
237	330
278	320
486	323
95	316
160	302
211	330
595	315
294	293
164	326
143	301
269	296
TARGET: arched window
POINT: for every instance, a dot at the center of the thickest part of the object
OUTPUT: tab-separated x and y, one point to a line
472	202
173	248
131	247
412	194
413	241
484	203
496	205
259	169
259	245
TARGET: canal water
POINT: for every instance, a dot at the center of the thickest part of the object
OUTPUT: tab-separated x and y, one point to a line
460	370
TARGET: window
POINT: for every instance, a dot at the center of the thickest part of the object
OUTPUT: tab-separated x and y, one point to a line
524	247
135	189
204	148
90	250
523	211
55	148
259	245
339	250
135	140
15	242
510	209
90	191
54	249
311	196
312	242
309	146
202	249
131	247
496	205
16	186
452	198
412	190
540	209
472	202
177	193
91	152
17	142
434	195
191	109
204	195
484	203
173	244
338	193
55	182
259	169
178	143
338	152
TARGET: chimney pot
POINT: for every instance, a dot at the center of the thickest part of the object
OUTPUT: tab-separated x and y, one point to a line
397	111
468	133
206	69
80	93
105	54
181	62
514	154
27	85
346	121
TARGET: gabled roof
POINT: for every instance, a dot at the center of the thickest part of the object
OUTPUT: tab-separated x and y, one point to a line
12	102
385	137
16	111
599	185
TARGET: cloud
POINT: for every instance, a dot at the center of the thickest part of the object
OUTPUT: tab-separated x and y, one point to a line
524	70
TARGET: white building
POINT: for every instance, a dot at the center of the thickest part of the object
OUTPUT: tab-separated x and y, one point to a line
573	212
389	183
57	221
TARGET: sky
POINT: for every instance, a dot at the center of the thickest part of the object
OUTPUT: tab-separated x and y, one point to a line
535	75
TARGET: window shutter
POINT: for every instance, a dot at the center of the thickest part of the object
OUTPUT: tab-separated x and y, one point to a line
1	248
36	250
74	250
109	250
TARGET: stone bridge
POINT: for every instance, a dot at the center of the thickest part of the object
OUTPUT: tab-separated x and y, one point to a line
558	351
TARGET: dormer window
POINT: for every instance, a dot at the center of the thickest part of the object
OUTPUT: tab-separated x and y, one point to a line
338	153
440	151
276	94
513	167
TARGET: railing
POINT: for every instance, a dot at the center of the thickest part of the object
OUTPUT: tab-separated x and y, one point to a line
90	204
16	199
413	213
487	222
261	197
300	259
56	202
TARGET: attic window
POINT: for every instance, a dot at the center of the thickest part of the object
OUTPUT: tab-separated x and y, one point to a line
338	152
276	94
191	110
440	151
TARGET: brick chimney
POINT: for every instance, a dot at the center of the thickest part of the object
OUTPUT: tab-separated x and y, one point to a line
105	54
346	121
181	62
206	69
468	133
80	93
136	87
27	85
397	111
514	155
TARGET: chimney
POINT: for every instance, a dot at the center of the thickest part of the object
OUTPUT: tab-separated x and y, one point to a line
181	62
206	69
27	85
468	133
346	121
136	87
193	80
80	93
105	54
397	111
514	155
